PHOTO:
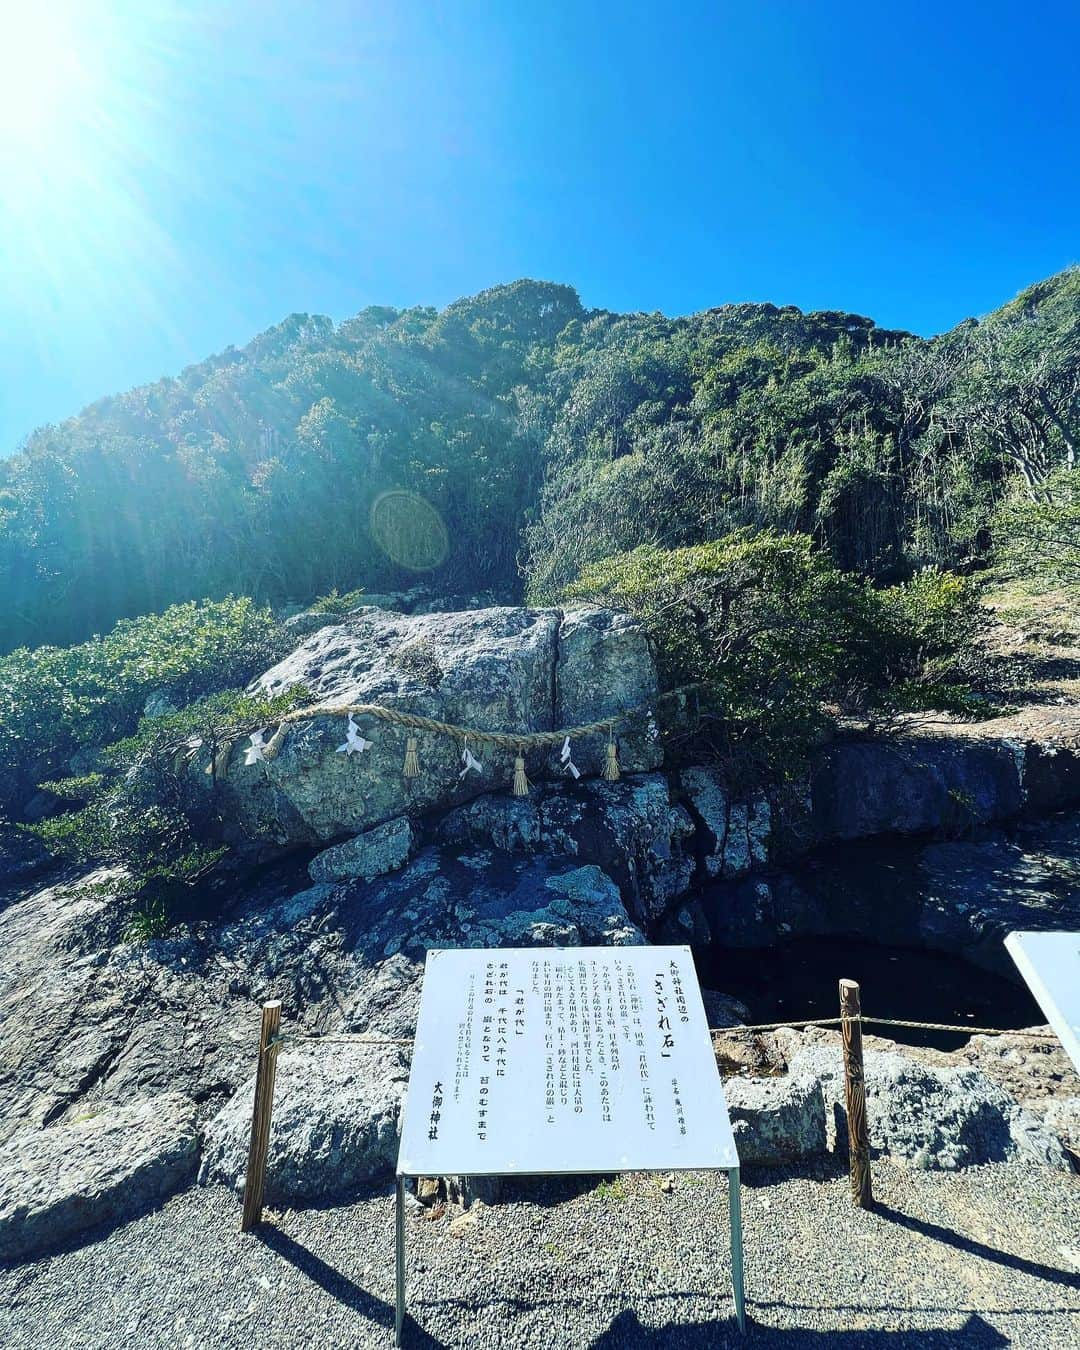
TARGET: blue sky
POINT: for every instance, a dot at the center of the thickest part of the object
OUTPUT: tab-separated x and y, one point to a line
192	172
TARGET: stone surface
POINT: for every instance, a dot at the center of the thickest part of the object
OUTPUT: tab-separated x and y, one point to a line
1062	1118
603	666
731	913
961	896
335	1123
864	788
928	1117
158	703
485	899
1034	1070
502	669
776	1120
723	1011
367	856
102	1167
628	828
734	835
468	1191
90	1020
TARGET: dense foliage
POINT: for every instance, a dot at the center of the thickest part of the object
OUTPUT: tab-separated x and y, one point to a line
517	426
54	700
149	811
788	500
779	641
1039	531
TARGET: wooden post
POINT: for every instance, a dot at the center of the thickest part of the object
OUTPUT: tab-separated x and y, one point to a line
855	1094
260	1116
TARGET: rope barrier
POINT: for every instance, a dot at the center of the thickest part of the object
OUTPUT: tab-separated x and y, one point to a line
343	1036
891	1022
973	1031
754	1027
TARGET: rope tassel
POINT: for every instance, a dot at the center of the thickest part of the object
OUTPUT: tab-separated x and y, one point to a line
611	762
273	745
411	767
521	783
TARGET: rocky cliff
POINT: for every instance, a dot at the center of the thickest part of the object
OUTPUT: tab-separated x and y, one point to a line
125	1066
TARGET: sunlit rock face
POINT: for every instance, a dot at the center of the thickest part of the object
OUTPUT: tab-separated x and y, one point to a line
503	669
115	1053
107	1165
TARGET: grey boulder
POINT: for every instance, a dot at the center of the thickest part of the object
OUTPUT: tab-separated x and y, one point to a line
1062	1118
930	1117
102	1167
335	1123
735	837
914	785
629	828
367	856
502	669
776	1120
484	899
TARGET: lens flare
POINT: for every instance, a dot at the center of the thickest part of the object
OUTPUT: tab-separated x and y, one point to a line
409	530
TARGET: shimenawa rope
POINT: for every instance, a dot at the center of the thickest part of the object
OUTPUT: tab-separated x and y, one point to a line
517	741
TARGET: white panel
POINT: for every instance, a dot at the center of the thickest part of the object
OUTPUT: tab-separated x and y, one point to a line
580	1059
1050	963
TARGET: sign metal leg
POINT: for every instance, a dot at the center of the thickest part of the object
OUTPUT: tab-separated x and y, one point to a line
399	1243
735	1206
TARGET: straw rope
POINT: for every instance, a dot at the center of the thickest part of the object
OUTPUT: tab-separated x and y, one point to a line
893	1022
756	1026
518	741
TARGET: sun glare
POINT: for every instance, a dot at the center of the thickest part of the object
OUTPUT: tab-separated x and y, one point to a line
42	78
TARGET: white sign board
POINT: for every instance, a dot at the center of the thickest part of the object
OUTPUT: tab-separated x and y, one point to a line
580	1059
1050	965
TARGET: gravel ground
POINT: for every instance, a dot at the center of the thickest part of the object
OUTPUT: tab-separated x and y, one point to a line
984	1258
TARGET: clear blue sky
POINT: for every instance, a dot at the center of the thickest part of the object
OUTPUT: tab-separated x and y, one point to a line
180	174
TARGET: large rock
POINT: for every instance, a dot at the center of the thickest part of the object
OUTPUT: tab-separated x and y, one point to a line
930	1117
335	1123
507	670
913	786
336	1106
1062	1118
367	856
90	1020
103	1167
976	893
776	1120
630	829
734	835
483	899
960	896
603	665
1034	1069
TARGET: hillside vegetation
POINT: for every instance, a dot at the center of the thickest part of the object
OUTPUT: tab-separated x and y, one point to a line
547	437
793	505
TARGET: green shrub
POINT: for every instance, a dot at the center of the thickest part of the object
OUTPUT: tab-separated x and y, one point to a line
150	813
55	699
930	632
782	642
333	603
765	622
1037	534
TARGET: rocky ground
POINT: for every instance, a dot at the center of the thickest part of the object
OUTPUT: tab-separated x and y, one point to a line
126	1066
981	1258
